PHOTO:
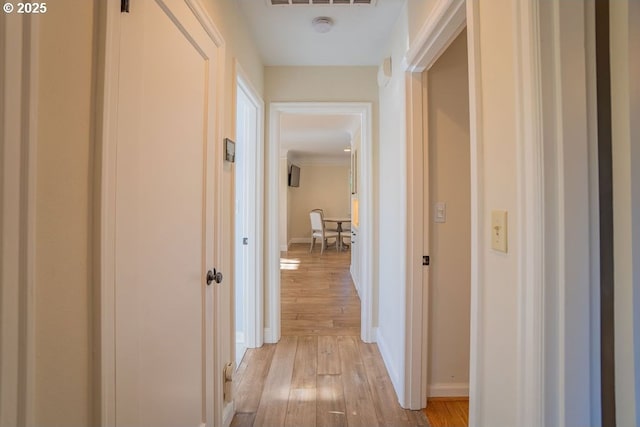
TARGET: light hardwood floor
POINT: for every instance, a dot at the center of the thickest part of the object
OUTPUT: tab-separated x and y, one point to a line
320	373
448	412
317	295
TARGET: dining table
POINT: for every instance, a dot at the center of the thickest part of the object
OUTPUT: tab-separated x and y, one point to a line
338	221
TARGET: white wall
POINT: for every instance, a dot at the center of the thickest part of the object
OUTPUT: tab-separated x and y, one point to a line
324	186
63	381
450	242
392	208
417	12
625	111
497	331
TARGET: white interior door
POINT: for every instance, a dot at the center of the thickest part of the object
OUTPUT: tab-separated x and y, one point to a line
248	218
241	224
164	218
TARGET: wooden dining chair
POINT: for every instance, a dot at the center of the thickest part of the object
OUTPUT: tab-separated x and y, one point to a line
318	231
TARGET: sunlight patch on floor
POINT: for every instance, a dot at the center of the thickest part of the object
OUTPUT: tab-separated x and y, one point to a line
289	264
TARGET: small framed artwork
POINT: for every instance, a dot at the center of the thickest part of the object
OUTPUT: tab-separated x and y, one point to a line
229	150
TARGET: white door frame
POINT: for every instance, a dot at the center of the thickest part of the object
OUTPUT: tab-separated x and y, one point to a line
18	135
105	178
554	189
445	23
254	298
272	332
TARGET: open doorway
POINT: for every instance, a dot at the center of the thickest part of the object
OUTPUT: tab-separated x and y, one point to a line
277	208
447	233
318	296
248	218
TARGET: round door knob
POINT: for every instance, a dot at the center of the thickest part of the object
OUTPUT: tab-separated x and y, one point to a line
214	276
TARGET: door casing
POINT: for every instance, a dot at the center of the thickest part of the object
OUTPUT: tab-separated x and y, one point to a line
272	331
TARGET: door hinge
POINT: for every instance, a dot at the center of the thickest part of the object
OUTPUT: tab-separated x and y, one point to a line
425	260
124	6
245	240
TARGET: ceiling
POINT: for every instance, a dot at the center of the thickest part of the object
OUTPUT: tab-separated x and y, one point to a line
284	34
317	137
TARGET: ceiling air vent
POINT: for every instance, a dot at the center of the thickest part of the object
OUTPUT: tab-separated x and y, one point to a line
320	2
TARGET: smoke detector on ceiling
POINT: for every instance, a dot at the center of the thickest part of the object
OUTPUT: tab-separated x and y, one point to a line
322	24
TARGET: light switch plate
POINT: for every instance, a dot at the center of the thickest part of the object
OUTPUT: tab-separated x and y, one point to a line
499	236
440	212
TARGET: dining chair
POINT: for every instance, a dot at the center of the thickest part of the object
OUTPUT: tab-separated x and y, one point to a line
325	225
345	236
318	231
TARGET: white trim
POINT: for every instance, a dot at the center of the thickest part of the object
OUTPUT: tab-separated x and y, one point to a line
104	261
530	215
416	342
227	414
572	344
268	336
18	169
255	297
366	210
445	22
30	236
449	390
478	242
594	208
388	360
284	248
205	20
107	129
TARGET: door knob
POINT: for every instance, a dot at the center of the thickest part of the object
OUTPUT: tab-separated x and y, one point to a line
213	275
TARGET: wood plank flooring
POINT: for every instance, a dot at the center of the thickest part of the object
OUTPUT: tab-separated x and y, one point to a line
294	392
317	294
320	373
448	412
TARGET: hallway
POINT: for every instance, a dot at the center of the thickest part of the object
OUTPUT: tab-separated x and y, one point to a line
317	294
320	373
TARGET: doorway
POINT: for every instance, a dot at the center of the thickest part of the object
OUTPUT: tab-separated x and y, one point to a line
276	210
318	290
447	232
248	217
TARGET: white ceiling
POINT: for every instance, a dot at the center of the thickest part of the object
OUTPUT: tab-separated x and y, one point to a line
284	34
317	137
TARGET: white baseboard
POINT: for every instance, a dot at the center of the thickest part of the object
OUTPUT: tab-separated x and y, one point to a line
374	334
227	414
448	390
268	336
355	280
398	384
284	248
300	240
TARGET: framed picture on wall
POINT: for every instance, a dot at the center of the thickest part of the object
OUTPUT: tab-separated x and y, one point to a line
229	150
